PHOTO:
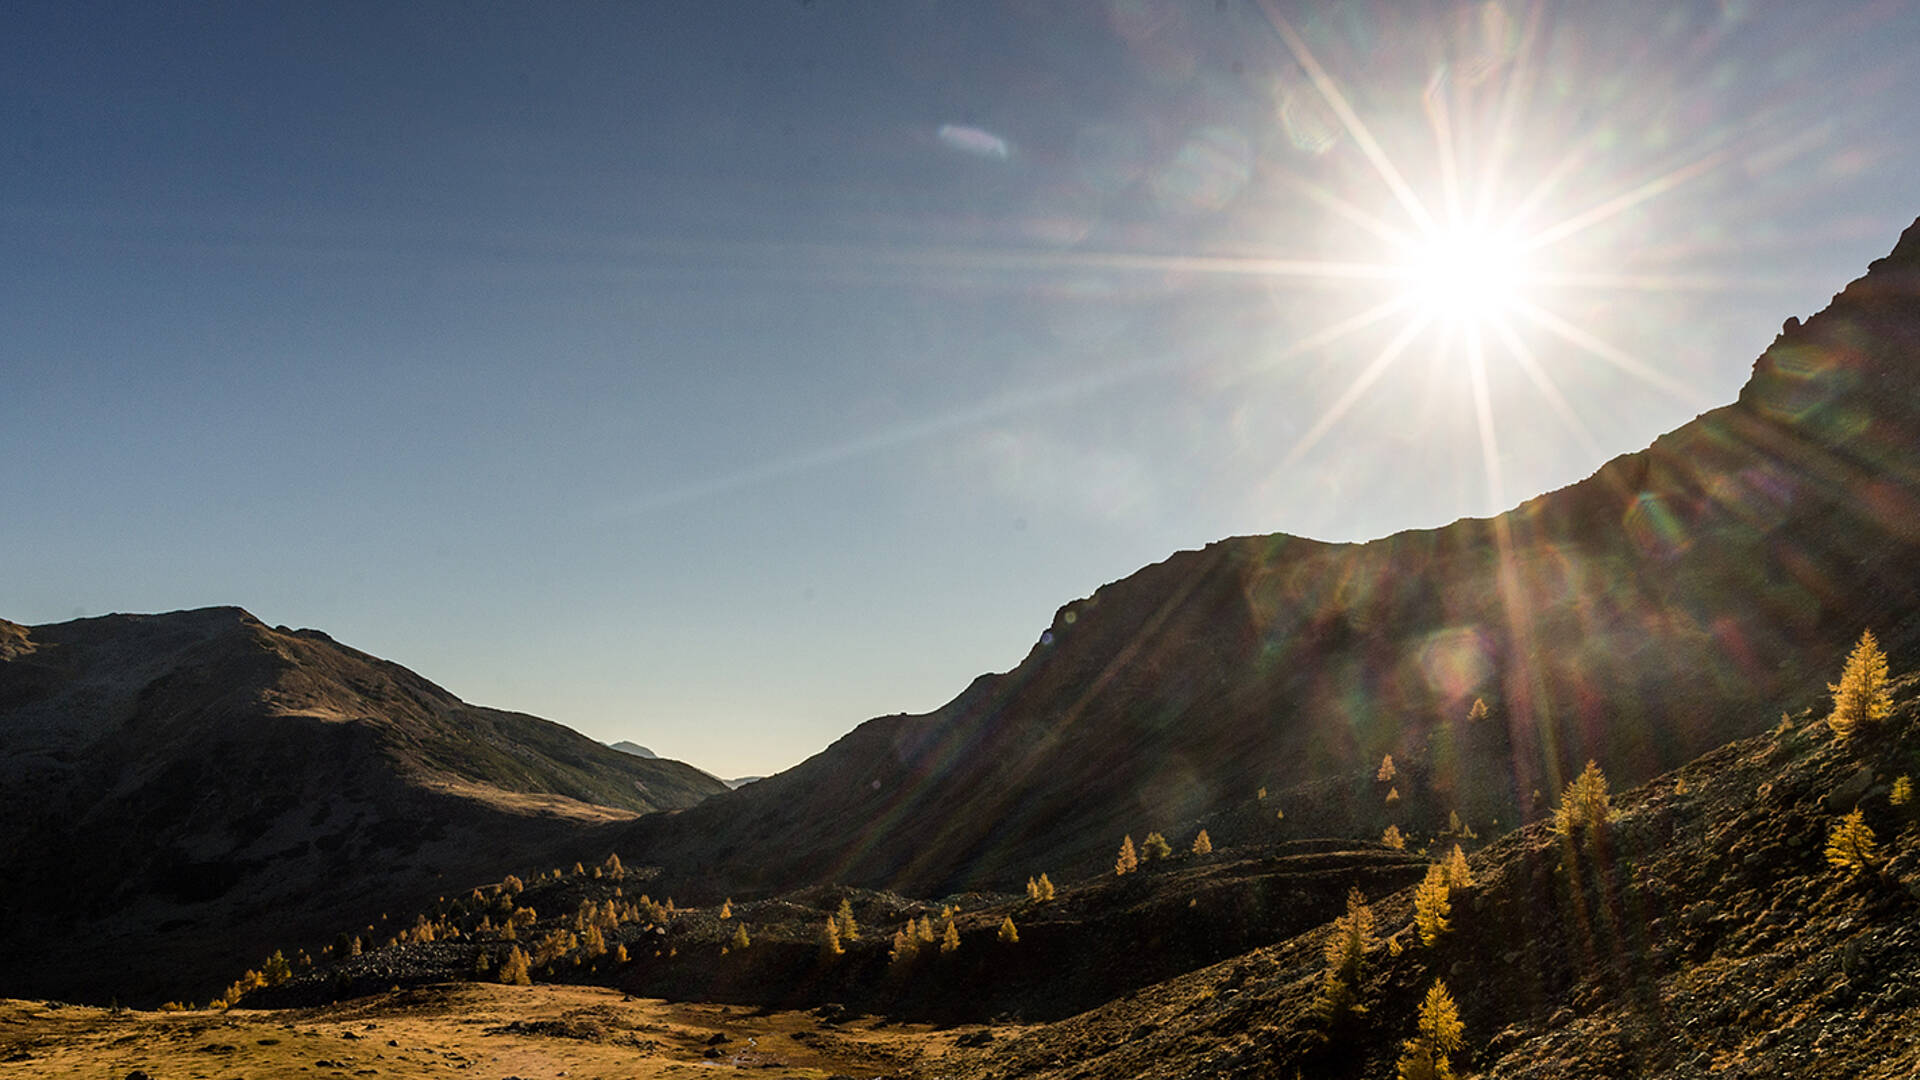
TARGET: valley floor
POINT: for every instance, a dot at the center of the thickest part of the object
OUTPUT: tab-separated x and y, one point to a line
481	1030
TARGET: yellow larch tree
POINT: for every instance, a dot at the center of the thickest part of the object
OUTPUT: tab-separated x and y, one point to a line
1861	699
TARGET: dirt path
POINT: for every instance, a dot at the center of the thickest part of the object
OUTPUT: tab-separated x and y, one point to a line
475	1030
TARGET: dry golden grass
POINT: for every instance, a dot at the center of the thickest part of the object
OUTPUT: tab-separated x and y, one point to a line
476	1029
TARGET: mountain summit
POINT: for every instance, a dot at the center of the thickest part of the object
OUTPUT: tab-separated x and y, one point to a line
181	788
1639	617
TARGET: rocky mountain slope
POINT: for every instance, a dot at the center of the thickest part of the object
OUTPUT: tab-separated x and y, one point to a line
1639	617
1701	929
176	790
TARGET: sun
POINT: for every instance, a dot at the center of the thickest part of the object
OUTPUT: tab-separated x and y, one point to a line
1465	274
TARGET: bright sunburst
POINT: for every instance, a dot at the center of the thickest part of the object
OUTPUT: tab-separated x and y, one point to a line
1466	273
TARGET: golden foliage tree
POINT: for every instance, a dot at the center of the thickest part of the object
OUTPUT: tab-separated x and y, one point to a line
612	868
849	929
276	970
1901	793
1203	844
1478	712
1459	874
1861	699
950	941
906	943
1851	845
1585	805
1346	952
740	938
1393	839
1155	846
1431	906
1393	796
1386	773
1424	1056
830	946
1128	861
515	970
1009	933
1044	889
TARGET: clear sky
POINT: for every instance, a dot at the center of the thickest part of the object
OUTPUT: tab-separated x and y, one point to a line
719	375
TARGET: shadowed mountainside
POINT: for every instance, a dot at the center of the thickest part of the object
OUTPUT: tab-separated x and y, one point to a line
180	789
1640	617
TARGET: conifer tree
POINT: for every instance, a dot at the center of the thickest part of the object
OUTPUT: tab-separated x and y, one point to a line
1046	888
1851	845
276	970
1431	906
514	970
612	867
1033	889
924	931
1479	710
1128	862
1009	933
1155	846
1393	839
1459	874
1861	699
1386	773
905	944
726	908
950	941
1346	950
1393	796
1203	844
1901	793
830	946
1439	1035
740	939
1584	805
849	929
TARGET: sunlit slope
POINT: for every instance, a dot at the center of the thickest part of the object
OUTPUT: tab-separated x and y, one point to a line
1639	617
181	788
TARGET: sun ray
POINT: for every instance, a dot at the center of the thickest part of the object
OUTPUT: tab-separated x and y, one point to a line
1362	137
1659	185
1483	416
1519	81
1324	336
1663	282
1388	354
1619	358
1557	401
1397	238
1440	121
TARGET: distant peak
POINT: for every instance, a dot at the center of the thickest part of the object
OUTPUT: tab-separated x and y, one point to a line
633	748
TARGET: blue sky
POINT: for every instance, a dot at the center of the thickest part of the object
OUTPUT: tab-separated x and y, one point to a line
718	375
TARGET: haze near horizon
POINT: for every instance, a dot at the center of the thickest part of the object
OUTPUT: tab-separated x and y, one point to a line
717	376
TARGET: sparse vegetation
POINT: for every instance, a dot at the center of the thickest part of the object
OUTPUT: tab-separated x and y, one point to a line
1861	699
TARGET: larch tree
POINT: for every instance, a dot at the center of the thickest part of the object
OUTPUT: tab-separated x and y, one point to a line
740	938
1155	846
514	970
1346	952
1459	874
950	941
1585	805
849	929
1424	1057
726	908
1045	888
1203	844
1431	905
1386	773
1128	861
1393	839
1861	699
1393	796
1851	845
830	946
1478	712
1009	933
